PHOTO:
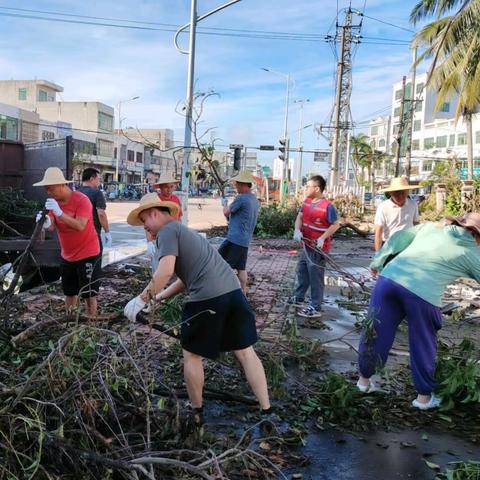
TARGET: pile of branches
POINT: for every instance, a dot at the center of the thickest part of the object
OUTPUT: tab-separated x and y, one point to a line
80	403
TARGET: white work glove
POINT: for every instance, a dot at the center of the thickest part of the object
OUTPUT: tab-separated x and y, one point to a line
48	221
320	242
106	239
52	204
224	201
133	307
297	236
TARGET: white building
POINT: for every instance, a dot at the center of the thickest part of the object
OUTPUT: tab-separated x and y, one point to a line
436	135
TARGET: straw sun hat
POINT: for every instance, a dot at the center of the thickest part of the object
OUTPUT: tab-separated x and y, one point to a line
167	178
150	200
243	176
52	176
469	220
397	184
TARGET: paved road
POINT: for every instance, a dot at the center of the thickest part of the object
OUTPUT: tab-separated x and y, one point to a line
202	214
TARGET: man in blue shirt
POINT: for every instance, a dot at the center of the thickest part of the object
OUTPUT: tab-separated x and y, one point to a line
242	215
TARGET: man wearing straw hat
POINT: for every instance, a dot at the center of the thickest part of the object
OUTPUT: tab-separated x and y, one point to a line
216	316
70	213
165	187
242	217
396	213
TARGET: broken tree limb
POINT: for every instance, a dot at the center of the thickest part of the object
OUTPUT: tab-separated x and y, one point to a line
362	233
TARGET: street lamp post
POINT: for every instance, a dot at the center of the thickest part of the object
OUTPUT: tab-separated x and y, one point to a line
119	129
298	180
284	170
187	141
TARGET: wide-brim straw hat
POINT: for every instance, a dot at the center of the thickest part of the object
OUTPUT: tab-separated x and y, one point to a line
243	176
150	200
52	176
167	178
397	184
469	220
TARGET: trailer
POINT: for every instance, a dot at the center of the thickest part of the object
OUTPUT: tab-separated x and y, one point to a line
20	167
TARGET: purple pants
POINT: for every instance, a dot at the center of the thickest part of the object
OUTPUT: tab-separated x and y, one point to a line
389	305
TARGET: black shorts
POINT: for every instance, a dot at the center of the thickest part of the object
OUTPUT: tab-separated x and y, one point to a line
235	255
230	327
81	277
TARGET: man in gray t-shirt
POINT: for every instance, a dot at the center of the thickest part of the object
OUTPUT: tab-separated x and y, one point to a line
242	217
216	316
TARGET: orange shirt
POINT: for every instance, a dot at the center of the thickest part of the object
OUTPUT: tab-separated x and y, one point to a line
172	198
77	245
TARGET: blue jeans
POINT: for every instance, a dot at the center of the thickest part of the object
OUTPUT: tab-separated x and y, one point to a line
311	273
390	303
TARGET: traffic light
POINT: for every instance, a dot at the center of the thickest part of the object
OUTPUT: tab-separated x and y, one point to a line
237	155
283	148
237	158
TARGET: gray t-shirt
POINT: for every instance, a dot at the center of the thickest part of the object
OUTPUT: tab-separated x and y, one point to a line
243	218
198	265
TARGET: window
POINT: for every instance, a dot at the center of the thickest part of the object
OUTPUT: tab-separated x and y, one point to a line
396	112
462	139
8	128
46	135
130	155
374	130
427	165
104	148
418	105
398	94
415	144
441	142
419	87
381	143
417	125
22	93
115	152
83	147
42	96
396	129
105	122
372	144
445	107
139	157
451	141
477	137
429	143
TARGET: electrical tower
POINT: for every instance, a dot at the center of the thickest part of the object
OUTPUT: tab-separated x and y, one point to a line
349	35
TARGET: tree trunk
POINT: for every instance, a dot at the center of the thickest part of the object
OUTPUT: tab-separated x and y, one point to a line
468	122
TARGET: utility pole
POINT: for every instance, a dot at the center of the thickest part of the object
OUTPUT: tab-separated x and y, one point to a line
298	179
411	116
341	115
398	138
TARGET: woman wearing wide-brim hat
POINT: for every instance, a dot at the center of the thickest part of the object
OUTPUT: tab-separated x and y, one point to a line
427	258
396	213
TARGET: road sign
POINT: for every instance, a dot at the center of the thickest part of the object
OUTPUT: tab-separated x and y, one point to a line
319	156
235	145
267	147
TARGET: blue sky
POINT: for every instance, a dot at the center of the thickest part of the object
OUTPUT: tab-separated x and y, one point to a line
112	64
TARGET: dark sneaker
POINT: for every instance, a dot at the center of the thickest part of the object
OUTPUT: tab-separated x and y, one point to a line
310	312
269	421
296	302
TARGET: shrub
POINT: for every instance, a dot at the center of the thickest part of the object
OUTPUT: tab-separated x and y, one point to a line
276	221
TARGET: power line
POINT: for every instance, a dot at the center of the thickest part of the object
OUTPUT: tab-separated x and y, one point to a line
240	33
387	23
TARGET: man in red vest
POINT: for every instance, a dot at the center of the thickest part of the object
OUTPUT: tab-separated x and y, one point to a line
316	222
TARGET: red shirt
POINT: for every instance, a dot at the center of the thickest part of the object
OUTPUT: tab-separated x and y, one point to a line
77	245
174	199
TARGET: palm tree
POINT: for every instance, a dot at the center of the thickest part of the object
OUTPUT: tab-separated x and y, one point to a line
453	43
366	158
